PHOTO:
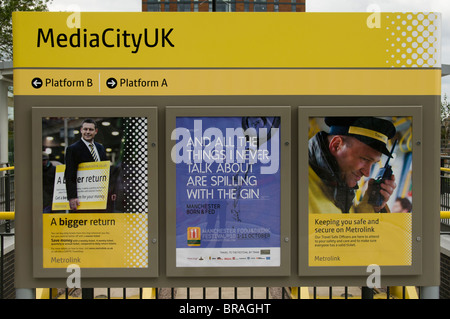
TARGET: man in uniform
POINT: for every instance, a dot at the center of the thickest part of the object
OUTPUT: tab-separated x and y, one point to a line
340	158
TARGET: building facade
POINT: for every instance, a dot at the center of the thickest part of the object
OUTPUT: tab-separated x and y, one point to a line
224	6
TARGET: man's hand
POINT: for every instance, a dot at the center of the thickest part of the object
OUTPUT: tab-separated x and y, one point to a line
74	203
387	188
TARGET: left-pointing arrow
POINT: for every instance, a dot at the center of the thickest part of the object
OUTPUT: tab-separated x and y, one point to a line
36	83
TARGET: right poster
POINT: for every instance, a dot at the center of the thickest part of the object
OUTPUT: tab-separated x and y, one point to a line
360	191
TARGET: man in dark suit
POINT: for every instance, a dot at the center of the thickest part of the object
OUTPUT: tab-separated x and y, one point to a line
85	150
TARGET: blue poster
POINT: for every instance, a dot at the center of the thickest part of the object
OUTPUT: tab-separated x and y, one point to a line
227	191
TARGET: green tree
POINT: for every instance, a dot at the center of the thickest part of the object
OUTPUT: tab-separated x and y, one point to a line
7	7
445	109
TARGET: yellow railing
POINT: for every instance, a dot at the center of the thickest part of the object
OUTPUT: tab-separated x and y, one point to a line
445	214
6	215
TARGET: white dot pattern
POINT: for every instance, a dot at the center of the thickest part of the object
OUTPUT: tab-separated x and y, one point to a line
136	248
135	161
408	244
413	40
135	165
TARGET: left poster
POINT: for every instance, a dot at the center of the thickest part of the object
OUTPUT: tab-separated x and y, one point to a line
95	192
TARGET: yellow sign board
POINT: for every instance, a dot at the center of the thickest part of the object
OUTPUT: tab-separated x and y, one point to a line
168	54
159	54
223	40
229	82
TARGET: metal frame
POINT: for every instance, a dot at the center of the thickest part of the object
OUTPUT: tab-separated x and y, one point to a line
306	112
285	212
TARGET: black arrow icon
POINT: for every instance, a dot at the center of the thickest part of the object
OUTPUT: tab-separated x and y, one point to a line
111	83
36	83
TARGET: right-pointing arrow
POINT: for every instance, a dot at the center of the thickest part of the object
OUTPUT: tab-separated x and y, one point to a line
111	83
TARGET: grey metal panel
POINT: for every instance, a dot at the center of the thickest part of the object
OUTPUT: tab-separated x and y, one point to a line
429	189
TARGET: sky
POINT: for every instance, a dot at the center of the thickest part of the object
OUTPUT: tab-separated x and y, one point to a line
442	6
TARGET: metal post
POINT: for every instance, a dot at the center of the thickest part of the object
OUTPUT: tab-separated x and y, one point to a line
366	293
87	293
430	292
8	199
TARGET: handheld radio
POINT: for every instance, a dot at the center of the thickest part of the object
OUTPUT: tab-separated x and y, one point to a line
375	198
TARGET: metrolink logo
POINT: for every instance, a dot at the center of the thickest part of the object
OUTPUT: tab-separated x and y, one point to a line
108	38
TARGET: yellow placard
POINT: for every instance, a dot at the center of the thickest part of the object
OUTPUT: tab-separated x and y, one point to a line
95	240
92	186
360	239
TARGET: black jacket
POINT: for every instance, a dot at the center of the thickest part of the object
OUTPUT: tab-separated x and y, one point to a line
75	154
327	168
